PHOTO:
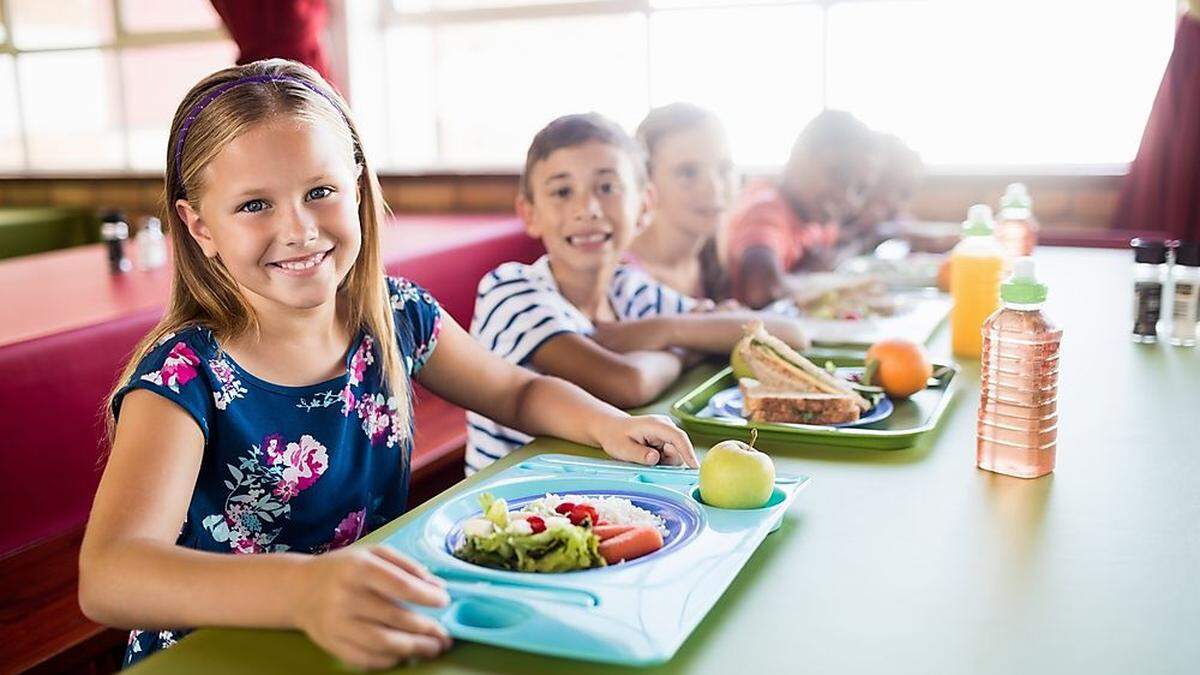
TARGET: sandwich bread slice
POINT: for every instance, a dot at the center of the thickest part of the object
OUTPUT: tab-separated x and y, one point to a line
782	369
766	404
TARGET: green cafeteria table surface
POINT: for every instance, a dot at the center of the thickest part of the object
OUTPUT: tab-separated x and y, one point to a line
914	561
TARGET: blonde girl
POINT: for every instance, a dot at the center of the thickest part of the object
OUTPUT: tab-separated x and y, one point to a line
268	417
691	169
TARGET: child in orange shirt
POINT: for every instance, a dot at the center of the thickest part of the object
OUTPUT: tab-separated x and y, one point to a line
792	224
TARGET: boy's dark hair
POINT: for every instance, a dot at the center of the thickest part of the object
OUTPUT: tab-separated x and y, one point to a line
834	131
569	131
668	119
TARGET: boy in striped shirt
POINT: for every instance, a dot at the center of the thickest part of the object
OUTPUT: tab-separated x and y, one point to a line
578	313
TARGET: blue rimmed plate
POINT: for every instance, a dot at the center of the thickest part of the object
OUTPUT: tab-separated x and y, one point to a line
682	523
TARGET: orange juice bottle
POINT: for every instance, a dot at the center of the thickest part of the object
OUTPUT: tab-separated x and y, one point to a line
976	265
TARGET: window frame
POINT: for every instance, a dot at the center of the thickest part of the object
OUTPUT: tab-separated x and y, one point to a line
122	39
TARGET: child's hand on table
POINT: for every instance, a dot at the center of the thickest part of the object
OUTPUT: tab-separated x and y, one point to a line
350	604
647	439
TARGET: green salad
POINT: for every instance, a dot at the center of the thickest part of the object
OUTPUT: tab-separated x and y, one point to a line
524	542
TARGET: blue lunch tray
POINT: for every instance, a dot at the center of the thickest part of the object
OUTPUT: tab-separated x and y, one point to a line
633	613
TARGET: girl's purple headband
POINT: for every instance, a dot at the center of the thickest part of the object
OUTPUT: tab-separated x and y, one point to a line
221	89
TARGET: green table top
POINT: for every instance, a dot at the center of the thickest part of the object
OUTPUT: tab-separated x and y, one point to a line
914	561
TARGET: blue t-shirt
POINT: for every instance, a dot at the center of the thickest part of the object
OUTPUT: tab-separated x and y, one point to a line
301	469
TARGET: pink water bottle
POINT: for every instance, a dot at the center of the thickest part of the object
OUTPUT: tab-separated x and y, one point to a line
1016	228
1017	428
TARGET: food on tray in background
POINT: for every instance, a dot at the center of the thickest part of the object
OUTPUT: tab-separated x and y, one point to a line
779	367
767	404
559	534
900	366
734	475
834	295
897	265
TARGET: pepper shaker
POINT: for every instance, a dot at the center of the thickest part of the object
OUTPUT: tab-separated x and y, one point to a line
114	231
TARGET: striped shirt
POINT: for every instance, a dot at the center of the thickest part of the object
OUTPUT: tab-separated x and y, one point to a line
518	308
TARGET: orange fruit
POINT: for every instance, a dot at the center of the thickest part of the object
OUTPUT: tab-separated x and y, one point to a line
901	367
943	276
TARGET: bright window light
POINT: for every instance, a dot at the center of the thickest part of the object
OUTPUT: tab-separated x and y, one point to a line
973	84
1002	83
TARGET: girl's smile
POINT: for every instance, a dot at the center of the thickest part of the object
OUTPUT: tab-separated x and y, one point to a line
301	266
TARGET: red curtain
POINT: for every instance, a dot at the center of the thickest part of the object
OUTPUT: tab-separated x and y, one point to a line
1162	190
287	29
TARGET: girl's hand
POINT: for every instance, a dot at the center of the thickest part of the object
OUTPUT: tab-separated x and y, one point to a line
646	439
350	603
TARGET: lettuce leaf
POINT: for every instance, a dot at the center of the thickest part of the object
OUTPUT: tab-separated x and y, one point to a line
563	548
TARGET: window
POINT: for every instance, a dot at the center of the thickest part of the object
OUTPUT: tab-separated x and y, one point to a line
93	83
738	77
1002	83
12	155
968	83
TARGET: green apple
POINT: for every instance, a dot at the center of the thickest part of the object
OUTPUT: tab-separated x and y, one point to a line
734	475
740	367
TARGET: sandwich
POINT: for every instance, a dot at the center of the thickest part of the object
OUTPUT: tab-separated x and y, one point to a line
780	368
766	404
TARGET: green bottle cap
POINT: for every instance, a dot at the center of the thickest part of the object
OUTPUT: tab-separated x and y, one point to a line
1016	196
979	221
1023	287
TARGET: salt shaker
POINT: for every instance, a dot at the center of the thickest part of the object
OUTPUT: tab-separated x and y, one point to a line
152	246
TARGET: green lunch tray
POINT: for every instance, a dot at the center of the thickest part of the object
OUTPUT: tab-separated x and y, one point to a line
911	418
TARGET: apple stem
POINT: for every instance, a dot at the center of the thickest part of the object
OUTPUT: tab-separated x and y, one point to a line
753	437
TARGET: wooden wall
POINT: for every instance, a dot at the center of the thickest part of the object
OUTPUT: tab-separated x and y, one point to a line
1065	204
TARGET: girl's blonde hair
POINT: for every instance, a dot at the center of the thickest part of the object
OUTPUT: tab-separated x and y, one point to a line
211	115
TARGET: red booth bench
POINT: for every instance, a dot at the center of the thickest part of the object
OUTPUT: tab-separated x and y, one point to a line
66	328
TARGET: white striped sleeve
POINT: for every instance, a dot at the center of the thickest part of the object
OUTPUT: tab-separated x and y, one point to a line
516	313
637	295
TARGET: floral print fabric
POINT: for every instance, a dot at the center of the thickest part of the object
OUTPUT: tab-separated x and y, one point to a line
302	469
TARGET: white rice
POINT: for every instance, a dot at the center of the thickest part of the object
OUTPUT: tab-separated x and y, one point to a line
613	510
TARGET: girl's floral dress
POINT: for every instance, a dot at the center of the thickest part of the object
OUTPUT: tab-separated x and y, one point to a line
301	469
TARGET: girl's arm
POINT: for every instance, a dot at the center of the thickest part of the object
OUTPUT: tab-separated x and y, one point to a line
132	574
468	375
709	332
